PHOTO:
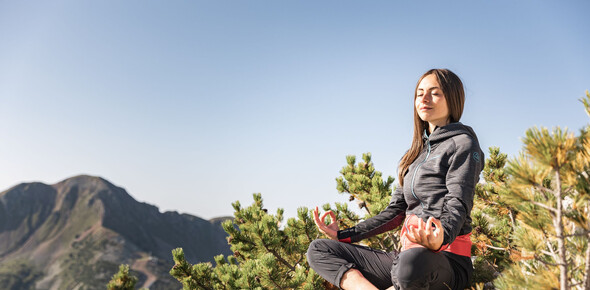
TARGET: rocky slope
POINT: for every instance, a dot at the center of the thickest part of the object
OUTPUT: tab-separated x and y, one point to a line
74	234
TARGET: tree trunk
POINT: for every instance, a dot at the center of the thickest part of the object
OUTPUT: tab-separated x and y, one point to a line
587	268
558	222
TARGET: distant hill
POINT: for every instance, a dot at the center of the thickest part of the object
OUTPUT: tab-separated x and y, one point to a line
75	234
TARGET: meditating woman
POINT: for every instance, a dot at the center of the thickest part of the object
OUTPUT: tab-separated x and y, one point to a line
437	178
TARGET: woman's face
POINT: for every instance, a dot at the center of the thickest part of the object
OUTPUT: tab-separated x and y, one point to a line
431	103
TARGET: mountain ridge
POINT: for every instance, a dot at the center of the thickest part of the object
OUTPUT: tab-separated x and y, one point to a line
77	231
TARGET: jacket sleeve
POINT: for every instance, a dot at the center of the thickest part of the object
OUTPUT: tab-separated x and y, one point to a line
390	218
465	166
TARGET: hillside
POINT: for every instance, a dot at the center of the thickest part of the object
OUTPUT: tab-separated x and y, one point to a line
74	234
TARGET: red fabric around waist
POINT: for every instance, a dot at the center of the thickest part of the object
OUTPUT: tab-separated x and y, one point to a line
461	245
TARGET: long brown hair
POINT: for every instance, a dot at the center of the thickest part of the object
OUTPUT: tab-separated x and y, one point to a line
452	89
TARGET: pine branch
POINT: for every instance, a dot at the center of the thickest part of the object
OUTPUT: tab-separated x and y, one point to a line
548	253
496	248
202	285
273	281
306	229
393	239
382	244
279	257
547	263
578	234
541	188
545	191
511	218
367	209
552	210
549	246
300	259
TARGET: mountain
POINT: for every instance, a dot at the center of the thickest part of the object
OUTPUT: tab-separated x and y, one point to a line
75	234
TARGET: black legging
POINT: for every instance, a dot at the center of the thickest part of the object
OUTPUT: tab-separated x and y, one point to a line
417	268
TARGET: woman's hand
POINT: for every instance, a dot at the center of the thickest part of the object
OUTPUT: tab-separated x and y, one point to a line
426	235
329	230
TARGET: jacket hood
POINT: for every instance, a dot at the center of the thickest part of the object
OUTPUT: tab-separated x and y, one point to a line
450	130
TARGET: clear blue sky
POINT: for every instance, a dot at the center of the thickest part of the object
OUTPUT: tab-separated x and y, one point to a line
191	105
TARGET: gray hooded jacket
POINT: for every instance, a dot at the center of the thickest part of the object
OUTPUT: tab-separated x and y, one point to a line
439	183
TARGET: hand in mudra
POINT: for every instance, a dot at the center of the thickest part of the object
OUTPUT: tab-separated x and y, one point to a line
330	230
427	235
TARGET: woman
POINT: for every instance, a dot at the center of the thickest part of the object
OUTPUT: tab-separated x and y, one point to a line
437	177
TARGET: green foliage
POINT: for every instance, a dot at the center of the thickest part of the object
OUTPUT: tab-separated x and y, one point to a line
80	266
530	216
266	256
547	186
122	280
492	221
269	254
365	185
534	277
18	274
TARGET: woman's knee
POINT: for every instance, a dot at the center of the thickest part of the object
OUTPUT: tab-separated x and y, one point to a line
316	250
413	266
419	267
318	245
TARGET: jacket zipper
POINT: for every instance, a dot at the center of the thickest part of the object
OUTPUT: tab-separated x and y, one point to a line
418	167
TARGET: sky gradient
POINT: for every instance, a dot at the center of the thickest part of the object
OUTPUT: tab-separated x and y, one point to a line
191	105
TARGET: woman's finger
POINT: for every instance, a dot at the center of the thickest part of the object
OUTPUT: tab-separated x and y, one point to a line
422	234
323	218
416	235
429	224
316	218
438	225
410	235
333	216
436	228
315	214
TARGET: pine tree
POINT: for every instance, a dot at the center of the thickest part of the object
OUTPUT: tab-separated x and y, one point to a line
266	256
548	187
365	185
493	222
583	187
270	255
122	280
